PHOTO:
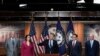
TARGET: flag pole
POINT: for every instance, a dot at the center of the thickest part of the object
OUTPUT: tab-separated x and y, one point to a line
71	18
32	17
35	50
31	23
58	16
46	16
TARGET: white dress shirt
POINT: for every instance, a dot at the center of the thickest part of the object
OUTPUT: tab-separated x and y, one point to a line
50	43
91	42
73	42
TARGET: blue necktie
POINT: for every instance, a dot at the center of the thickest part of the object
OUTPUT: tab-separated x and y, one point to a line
50	44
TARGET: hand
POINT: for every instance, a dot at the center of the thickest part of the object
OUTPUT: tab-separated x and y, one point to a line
38	42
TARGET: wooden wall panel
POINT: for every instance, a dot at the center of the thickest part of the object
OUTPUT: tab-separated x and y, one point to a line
79	29
78	26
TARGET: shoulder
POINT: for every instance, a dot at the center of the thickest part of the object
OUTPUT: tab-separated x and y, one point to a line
24	42
70	41
87	41
16	39
55	40
46	40
78	41
96	41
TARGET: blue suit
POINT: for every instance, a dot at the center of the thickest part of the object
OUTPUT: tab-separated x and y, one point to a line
12	47
92	51
76	50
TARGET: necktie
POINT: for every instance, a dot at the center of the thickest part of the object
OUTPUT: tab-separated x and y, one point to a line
13	43
50	43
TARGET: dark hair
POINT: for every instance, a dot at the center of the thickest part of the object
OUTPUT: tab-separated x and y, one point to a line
26	38
75	35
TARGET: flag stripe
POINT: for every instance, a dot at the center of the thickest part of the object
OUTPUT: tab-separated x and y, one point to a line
37	48
44	35
41	40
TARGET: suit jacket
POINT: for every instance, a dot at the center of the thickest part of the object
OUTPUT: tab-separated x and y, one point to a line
49	50
76	50
12	47
92	51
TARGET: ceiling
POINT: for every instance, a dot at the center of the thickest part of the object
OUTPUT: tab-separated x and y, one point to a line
50	15
40	9
46	5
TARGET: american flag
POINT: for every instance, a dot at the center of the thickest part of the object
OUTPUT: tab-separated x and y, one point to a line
44	34
37	49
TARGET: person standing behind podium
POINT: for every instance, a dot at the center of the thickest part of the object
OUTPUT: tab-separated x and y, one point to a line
74	46
12	46
91	47
27	48
51	46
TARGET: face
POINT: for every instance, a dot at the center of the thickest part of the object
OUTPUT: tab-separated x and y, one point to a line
28	38
91	37
74	37
12	35
51	36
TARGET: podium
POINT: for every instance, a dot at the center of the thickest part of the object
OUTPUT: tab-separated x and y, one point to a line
48	54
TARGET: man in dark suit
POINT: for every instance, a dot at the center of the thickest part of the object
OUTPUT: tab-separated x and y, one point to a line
92	46
74	46
50	45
